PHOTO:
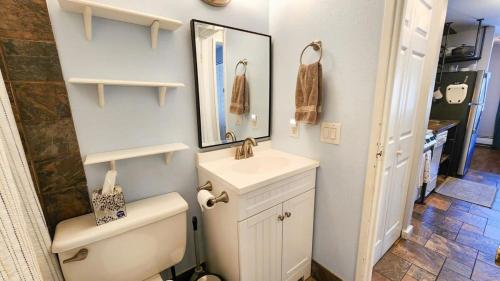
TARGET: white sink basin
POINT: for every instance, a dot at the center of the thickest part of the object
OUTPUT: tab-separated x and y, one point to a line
266	166
255	165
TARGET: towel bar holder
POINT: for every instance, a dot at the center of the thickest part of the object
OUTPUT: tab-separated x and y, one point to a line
317	45
244	62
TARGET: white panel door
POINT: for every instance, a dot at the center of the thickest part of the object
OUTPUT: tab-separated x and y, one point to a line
298	237
260	242
399	137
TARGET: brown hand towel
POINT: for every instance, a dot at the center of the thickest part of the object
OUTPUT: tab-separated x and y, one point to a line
308	93
239	97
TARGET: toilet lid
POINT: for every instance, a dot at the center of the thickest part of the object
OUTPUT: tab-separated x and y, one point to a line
80	231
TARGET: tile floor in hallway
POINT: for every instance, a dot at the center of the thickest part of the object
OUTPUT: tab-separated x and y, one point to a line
486	160
452	240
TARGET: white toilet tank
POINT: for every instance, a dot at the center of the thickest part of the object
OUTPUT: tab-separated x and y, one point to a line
150	239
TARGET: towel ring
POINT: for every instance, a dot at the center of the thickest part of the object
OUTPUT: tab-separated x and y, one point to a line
244	62
317	46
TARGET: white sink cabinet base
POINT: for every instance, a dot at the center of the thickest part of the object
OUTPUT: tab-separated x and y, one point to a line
264	234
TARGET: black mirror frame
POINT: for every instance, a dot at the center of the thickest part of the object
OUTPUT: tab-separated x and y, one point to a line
193	42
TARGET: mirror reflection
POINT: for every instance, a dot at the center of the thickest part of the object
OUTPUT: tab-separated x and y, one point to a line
233	83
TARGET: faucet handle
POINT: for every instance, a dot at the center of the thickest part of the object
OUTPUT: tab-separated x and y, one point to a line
249	151
238	153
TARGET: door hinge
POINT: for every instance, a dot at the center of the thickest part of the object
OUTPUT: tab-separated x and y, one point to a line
380	150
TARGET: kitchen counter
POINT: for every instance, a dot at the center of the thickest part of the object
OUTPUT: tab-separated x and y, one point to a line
438	126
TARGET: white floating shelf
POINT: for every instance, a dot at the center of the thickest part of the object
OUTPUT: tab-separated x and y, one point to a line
162	86
113	156
91	8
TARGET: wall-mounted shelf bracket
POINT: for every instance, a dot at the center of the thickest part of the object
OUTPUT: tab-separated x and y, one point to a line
161	95
100	94
87	22
155	27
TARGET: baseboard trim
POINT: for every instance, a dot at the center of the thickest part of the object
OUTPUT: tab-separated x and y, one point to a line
406	233
320	273
486	141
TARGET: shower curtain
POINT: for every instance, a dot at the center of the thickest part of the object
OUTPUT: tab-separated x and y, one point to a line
24	240
207	91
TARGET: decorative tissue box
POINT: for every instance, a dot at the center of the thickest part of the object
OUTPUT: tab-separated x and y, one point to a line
108	207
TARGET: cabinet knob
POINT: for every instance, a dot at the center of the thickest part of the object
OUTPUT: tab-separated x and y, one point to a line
281	217
288	214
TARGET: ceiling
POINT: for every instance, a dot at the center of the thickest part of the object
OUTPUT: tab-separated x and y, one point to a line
465	12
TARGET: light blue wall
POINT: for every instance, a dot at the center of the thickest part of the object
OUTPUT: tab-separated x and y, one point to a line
132	116
350	31
255	49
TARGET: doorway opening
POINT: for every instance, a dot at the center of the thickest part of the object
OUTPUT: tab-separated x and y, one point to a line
453	217
220	82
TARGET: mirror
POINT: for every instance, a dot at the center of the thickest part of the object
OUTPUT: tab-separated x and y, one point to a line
233	83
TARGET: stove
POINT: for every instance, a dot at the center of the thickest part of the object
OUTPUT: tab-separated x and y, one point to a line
430	140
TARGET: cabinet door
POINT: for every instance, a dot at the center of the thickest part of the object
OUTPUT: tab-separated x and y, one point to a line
298	237
260	242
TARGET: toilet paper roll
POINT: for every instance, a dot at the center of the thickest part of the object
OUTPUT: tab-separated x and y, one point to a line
203	197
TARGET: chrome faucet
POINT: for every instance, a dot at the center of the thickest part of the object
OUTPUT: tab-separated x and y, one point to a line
245	151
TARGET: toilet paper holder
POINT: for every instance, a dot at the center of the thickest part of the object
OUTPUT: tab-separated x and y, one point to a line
207	186
223	196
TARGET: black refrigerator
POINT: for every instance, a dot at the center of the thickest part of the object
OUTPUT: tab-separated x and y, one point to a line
468	112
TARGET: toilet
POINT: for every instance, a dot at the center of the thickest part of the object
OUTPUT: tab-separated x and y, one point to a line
151	238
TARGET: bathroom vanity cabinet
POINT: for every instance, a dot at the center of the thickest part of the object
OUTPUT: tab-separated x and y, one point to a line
265	231
276	243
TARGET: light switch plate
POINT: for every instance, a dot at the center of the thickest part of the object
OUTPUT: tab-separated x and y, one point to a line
330	132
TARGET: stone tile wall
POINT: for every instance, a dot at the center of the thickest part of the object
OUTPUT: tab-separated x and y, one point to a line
33	77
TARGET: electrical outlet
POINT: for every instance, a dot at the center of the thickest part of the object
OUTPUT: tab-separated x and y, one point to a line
294	128
330	132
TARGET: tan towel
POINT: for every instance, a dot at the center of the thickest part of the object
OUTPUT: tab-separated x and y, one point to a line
239	97
308	93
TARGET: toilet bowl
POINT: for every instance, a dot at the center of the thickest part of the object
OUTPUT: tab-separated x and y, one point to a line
150	239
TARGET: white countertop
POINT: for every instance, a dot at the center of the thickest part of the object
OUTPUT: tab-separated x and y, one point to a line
268	165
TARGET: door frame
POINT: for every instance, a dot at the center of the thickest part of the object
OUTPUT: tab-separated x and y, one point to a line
388	49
